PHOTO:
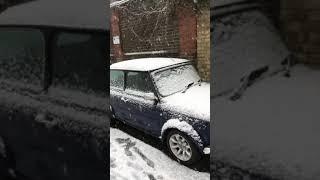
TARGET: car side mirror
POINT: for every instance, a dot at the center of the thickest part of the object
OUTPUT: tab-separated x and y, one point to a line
151	97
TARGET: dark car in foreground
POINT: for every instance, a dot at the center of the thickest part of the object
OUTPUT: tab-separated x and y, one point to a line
53	84
164	97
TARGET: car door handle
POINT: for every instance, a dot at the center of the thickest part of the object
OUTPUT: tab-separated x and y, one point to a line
124	99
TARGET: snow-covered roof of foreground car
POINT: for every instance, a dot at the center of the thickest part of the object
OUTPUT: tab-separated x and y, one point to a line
146	64
82	14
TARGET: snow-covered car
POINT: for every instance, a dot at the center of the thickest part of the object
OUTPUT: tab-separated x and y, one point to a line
265	113
164	97
53	100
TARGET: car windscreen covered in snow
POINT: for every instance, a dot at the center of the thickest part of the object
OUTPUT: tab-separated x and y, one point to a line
175	79
243	42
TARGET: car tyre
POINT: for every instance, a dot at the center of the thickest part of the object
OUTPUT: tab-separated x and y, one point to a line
182	148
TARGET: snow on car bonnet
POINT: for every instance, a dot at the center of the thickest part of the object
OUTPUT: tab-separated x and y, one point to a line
71	13
195	102
243	43
146	64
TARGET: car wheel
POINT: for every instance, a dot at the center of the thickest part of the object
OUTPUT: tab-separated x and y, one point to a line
181	148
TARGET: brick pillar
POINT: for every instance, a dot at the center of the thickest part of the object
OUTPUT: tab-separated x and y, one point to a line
187	25
203	42
115	31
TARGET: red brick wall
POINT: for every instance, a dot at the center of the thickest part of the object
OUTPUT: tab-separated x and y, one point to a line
203	42
183	33
146	33
116	49
176	33
187	25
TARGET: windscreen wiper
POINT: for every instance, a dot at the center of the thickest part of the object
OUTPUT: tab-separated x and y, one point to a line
248	81
187	87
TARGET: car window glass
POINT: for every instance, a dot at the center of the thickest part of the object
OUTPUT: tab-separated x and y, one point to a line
117	79
22	55
175	79
79	61
138	81
69	39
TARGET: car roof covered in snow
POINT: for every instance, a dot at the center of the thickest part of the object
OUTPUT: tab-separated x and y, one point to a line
115	3
147	64
75	14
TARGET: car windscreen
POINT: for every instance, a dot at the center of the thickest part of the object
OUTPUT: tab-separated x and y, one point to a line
242	43
175	79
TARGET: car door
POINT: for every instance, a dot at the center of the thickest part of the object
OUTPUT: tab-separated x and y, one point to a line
118	106
141	102
77	124
22	56
60	130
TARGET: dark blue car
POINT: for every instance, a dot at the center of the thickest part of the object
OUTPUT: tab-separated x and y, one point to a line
164	97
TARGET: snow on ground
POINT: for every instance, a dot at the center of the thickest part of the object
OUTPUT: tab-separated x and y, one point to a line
274	128
133	159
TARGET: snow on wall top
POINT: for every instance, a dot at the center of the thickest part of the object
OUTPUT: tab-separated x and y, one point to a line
71	13
146	64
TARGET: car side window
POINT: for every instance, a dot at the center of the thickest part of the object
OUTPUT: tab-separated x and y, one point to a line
138	81
117	79
79	61
22	55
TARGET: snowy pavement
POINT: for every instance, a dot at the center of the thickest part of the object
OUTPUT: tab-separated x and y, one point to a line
273	129
131	158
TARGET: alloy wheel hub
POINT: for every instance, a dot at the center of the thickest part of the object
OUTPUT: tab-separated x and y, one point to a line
180	147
